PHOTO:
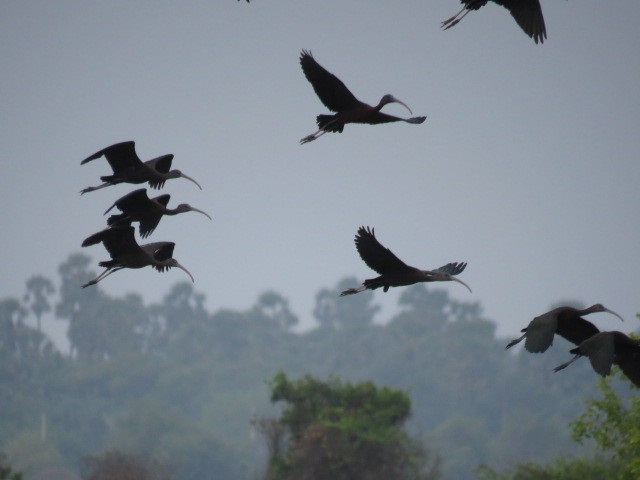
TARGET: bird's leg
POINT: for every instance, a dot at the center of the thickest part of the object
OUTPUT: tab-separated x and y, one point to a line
352	291
516	341
454	20
104	274
91	189
566	364
313	136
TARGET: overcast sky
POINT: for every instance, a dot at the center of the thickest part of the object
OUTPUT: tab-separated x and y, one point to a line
527	167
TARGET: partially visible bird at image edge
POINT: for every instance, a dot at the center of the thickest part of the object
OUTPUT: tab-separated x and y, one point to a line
527	14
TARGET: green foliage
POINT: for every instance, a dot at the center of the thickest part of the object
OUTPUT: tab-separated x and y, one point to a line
561	469
365	411
338	429
6	472
30	453
182	383
614	425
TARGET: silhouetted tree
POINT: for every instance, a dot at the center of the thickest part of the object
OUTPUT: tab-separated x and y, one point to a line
340	431
114	465
39	289
354	312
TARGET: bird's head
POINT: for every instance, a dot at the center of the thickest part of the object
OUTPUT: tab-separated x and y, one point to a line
172	262
388	98
444	277
185	207
179	174
598	307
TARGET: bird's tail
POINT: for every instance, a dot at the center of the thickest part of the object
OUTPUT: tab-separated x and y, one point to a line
327	123
108	264
110	179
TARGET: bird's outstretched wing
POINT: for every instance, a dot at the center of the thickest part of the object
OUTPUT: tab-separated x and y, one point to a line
118	240
577	331
149	221
386	118
528	15
628	358
161	164
453	268
332	92
375	255
131	202
120	156
160	251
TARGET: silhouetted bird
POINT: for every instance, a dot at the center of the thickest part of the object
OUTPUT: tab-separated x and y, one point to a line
605	349
337	98
564	321
136	206
393	271
126	253
128	168
527	13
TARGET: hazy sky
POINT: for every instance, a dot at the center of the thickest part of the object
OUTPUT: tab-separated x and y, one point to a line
527	167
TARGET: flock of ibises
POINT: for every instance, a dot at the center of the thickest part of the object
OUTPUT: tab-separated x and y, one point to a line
604	349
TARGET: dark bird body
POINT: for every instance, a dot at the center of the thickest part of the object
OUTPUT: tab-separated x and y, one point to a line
336	97
128	168
527	14
126	253
564	321
606	349
136	206
393	271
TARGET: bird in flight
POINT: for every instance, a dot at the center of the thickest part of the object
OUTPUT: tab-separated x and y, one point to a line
336	97
527	14
393	271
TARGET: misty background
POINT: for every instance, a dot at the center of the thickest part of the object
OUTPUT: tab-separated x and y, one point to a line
526	168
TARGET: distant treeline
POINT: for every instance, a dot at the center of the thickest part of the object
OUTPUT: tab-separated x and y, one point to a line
179	383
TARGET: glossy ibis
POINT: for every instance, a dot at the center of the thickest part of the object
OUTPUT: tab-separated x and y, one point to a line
393	271
605	349
527	14
128	168
138	207
564	321
126	253
337	98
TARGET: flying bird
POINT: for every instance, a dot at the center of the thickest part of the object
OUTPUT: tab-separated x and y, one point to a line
564	321
527	13
126	253
128	168
337	98
136	206
606	349
393	271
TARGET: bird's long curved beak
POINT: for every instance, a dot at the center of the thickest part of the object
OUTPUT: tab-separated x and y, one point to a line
202	212
185	270
460	281
614	313
189	178
395	100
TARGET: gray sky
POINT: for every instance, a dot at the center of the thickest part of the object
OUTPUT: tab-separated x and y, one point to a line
527	166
